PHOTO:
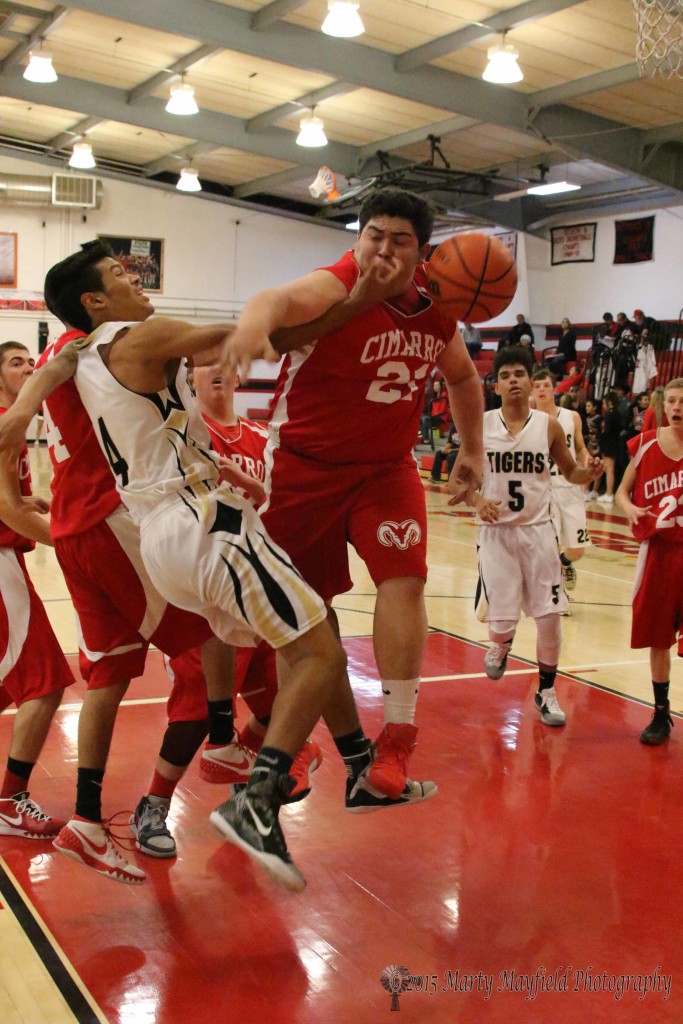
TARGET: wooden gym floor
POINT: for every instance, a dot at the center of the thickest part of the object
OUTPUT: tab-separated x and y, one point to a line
547	860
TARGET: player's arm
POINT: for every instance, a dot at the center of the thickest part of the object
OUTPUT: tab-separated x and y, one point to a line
487	509
467	409
14	423
564	461
20	515
236	477
622	498
582	453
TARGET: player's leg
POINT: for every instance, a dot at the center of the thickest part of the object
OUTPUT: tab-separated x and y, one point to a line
659	729
499	593
544	600
34	673
574	536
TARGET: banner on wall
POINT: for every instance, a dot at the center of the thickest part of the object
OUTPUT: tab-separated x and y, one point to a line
573	244
633	240
508	238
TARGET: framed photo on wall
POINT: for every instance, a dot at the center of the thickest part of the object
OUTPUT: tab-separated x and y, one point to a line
143	256
8	259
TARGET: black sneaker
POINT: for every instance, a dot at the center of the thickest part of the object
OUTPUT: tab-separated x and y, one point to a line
659	728
361	797
250	821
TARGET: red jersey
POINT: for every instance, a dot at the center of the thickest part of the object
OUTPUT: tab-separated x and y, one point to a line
659	484
8	537
244	444
356	394
83	487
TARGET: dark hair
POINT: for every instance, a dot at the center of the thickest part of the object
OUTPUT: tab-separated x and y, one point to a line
607	316
543	374
513	355
397	202
66	282
7	345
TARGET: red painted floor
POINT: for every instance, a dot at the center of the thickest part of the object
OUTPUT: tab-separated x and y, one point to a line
549	853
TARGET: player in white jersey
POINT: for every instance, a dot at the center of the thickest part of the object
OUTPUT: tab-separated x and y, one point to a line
519	564
568	507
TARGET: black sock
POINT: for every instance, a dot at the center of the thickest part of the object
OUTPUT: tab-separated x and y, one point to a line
661	691
356	751
270	759
565	560
546	679
221	721
21	768
89	793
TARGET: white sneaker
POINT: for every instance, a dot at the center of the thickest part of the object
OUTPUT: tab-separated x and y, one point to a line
230	763
496	659
551	712
605	499
90	843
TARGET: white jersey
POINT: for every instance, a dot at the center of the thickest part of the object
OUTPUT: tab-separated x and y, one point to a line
565	417
156	444
517	469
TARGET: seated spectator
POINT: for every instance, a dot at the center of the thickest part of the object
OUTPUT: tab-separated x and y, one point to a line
564	352
623	324
520	329
605	334
435	410
574	379
472	338
647	329
640	406
526	341
449	452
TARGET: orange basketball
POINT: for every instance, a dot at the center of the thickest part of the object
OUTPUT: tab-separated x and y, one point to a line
472	277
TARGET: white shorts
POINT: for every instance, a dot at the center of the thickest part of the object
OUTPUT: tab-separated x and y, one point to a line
568	511
519	571
211	554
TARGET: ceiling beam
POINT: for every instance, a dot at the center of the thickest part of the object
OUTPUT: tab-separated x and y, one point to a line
171	160
309	99
583	86
30	12
42	30
174	72
72	134
514	17
273	12
665	133
409	138
270	181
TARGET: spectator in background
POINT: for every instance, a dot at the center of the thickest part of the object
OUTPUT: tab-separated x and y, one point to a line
564	352
472	338
640	406
655	416
623	324
520	329
610	440
449	453
574	379
605	334
592	434
435	411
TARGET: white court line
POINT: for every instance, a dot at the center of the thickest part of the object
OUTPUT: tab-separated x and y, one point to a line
532	668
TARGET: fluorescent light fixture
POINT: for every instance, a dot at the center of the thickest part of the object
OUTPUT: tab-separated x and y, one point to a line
552	188
311	132
182	100
39	68
189	180
82	157
502	68
354	225
343	19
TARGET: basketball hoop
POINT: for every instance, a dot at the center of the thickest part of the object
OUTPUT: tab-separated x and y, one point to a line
325	184
659	50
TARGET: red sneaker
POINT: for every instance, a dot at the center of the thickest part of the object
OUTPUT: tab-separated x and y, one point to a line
21	816
388	772
90	843
308	760
230	763
249	739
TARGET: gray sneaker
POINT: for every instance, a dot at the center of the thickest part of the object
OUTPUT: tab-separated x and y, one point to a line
569	577
551	712
149	827
496	660
250	821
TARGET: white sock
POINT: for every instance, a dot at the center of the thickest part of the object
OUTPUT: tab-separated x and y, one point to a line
400	699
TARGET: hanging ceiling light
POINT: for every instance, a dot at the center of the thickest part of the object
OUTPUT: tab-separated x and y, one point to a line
502	68
311	131
343	19
182	100
352	225
39	68
551	188
189	180
82	156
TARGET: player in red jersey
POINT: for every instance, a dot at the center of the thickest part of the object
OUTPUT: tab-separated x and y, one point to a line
33	670
240	443
651	495
345	417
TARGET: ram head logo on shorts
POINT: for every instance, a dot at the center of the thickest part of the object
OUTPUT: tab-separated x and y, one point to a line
400	535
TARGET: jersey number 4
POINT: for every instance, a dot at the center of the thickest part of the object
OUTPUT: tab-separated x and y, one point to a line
116	461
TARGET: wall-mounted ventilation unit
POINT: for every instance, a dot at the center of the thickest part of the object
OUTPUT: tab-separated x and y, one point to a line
75	190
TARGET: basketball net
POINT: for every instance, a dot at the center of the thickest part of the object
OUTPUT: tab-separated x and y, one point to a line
659	50
325	184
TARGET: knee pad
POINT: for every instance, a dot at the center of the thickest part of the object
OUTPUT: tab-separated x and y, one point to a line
548	639
182	740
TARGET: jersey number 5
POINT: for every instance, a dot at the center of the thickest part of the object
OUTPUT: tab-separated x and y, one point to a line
516	502
116	461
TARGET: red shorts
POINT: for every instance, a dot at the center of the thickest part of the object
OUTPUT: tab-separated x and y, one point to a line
657	594
118	610
255	681
31	661
315	508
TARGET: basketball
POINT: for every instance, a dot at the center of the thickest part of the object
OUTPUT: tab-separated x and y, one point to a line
473	277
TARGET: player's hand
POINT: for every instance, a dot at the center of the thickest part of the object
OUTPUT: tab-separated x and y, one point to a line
36	504
12	432
243	348
381	280
230	473
466	475
594	467
489	511
634	514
